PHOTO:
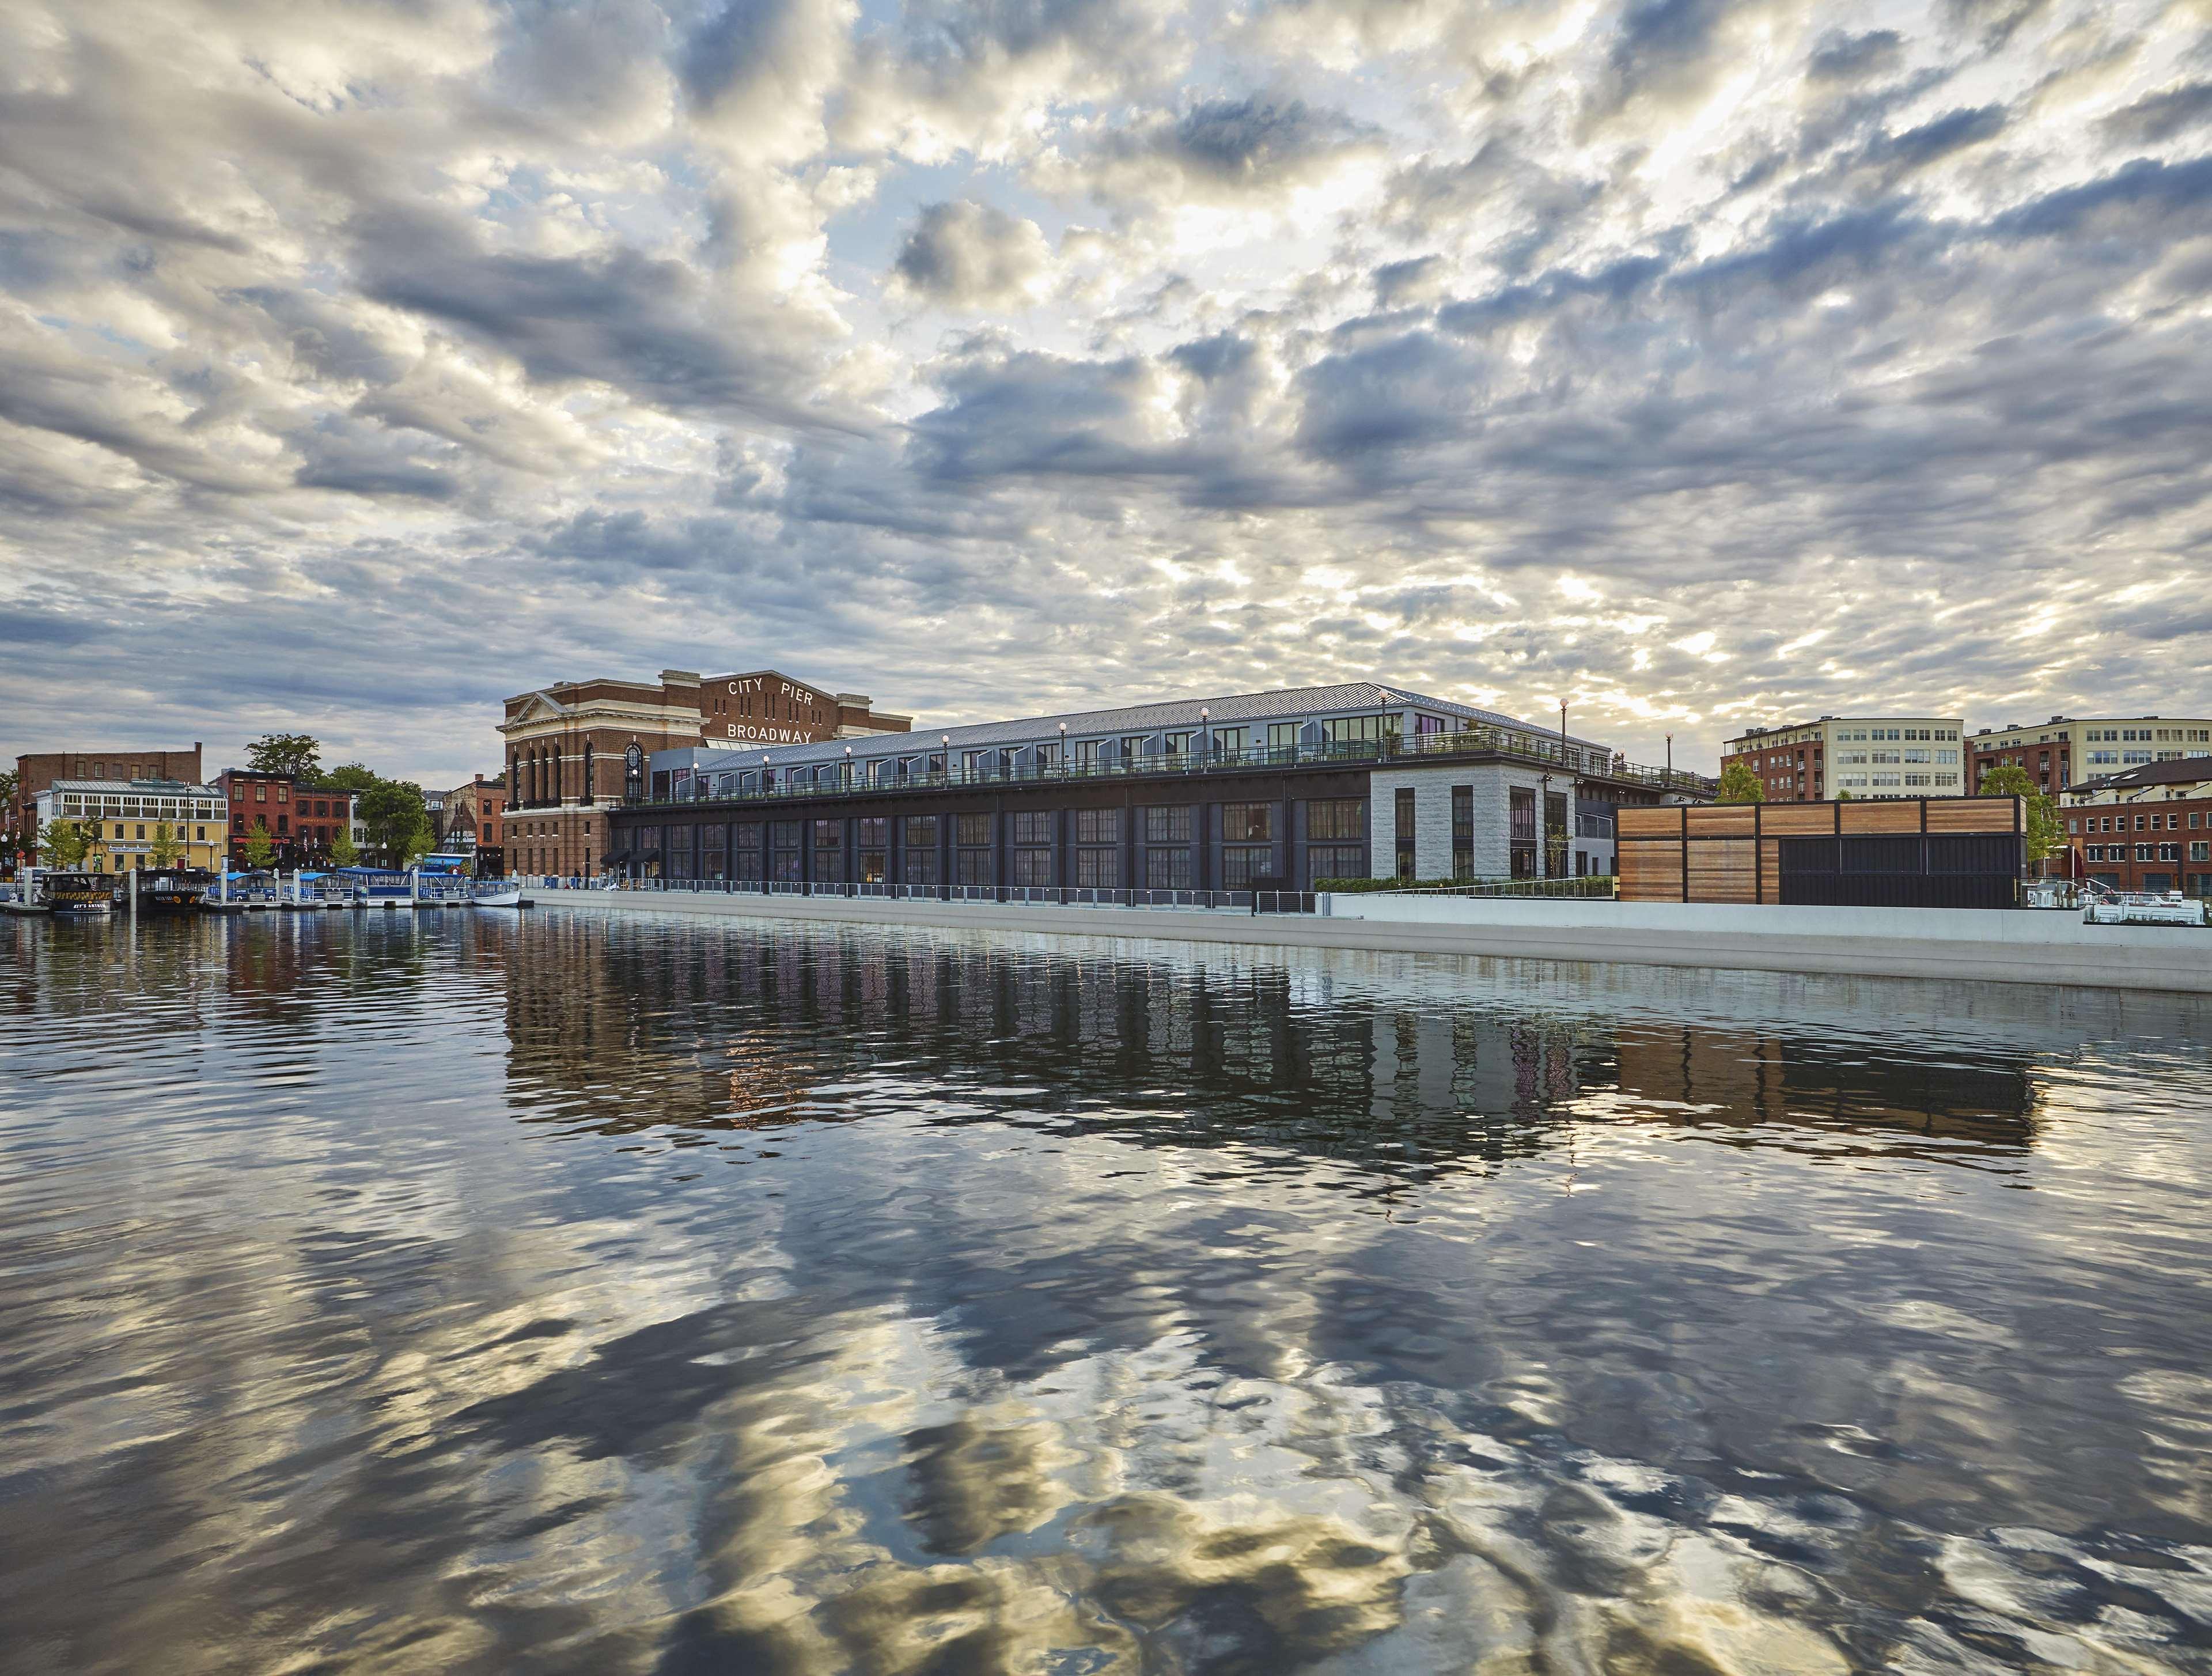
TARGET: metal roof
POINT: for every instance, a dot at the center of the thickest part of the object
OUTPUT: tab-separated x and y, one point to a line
140	787
2174	770
1303	703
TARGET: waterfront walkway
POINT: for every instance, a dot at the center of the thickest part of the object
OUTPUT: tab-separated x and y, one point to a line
2013	945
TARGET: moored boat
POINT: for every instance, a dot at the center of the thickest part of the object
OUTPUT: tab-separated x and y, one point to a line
80	895
172	890
498	894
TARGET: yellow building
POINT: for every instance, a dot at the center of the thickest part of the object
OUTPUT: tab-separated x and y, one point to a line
125	819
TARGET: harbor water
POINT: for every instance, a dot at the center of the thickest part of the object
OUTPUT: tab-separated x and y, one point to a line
552	1292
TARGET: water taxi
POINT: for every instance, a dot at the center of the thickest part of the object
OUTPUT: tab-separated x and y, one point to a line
80	895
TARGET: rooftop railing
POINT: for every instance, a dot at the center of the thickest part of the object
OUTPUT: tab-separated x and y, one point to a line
847	779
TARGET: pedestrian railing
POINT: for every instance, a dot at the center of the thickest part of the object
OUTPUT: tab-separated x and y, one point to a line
1057	896
1596	888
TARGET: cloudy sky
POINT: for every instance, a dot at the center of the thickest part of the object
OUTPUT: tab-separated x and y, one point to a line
1692	362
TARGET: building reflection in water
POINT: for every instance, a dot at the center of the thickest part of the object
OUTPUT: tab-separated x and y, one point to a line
1405	1069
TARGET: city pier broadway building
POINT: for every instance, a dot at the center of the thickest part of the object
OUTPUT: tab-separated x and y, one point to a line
1257	790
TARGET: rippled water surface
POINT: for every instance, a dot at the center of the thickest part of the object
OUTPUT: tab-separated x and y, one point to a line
544	1293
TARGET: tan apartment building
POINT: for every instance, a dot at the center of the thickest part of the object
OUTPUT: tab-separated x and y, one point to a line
127	820
2066	749
1866	756
576	749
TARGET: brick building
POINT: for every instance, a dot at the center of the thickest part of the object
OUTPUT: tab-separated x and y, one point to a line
471	818
569	747
2067	748
38	771
303	821
1868	756
2146	828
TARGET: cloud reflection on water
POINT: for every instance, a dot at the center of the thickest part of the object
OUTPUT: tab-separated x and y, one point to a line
505	1295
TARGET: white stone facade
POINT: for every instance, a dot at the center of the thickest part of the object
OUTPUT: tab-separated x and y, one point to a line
1432	826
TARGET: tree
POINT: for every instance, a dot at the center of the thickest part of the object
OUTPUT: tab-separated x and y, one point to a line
398	821
260	850
300	755
344	851
164	849
351	776
1844	796
1740	785
2043	837
66	842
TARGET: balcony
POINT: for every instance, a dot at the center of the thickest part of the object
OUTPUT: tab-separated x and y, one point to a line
1539	750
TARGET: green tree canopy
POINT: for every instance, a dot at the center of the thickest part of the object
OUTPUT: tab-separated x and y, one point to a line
398	821
344	851
164	849
66	842
2009	779
1740	785
300	755
260	850
351	776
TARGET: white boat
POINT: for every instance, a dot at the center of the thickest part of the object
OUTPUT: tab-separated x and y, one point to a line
2144	908
498	894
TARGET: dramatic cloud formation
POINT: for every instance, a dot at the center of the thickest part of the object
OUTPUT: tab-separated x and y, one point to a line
1687	362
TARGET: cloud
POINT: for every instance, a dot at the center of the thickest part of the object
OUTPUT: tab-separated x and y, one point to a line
2157	118
969	255
990	357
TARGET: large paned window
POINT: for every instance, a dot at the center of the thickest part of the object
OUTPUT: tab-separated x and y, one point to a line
745	851
1463	832
1098	869
1335	861
1403	830
1521	829
714	851
921	832
1242	863
1360	729
1033	826
1248	823
974	868
1336	819
783	852
974	829
1167	869
1032	866
1167	825
922	866
1098	825
829	851
1282	736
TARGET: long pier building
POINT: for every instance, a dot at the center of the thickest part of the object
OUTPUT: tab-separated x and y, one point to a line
1250	790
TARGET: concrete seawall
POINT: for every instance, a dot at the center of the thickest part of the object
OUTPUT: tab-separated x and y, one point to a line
2004	946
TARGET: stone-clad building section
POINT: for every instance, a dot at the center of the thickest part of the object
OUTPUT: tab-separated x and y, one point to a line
569	747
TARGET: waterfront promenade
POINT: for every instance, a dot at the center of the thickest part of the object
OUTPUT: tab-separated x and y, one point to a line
2019	946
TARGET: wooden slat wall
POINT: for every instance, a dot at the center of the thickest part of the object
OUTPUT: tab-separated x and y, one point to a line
1731	852
1722	871
1872	817
1651	872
